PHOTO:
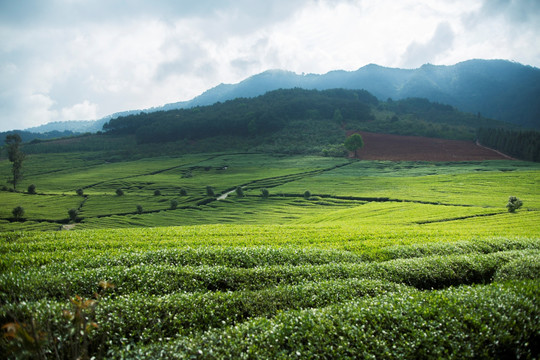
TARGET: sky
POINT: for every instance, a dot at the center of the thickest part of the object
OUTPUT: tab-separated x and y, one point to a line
85	59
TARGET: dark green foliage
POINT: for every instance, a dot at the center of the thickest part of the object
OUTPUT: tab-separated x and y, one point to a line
354	143
259	116
239	192
139	209
73	214
132	313
210	191
174	204
435	272
293	121
307	194
80	192
484	322
157	192
34	137
527	267
337	150
119	192
477	246
187	302
16	157
513	204
183	192
31	189
265	193
523	145
18	212
337	118
421	117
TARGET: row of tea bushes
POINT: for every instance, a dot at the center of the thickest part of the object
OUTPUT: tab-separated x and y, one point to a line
432	272
98	253
241	257
136	318
497	321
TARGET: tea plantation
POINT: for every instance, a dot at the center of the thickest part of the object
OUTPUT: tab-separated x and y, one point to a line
316	258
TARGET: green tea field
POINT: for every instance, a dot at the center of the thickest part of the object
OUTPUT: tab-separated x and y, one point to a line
255	256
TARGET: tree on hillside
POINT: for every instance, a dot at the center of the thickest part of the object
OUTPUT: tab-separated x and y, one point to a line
354	143
18	212
239	191
73	214
514	203
16	157
31	189
338	117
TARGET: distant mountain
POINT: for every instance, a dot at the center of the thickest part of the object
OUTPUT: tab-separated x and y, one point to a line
497	89
27	136
76	126
81	126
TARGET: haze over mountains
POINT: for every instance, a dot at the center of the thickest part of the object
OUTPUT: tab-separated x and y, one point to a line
497	89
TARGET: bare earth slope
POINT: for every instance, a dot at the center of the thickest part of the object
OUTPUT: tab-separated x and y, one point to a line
416	148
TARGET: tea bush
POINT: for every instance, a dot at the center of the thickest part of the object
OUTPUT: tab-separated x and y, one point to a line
480	322
527	267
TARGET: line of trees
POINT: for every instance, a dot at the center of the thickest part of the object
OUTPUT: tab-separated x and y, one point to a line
259	116
523	145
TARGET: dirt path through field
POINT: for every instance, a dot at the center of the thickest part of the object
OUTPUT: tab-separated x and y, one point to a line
417	148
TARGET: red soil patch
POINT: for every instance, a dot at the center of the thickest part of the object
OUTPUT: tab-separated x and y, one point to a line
417	148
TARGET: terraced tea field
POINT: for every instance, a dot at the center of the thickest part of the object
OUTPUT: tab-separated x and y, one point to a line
377	260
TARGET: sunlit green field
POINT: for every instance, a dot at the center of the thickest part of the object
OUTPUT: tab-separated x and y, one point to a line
379	260
361	192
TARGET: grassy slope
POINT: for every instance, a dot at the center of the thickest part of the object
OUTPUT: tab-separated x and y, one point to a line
287	267
420	193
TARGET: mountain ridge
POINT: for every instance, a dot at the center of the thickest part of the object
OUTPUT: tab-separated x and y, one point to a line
499	89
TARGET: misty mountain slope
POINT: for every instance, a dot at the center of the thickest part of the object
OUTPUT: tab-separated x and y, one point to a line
278	114
497	89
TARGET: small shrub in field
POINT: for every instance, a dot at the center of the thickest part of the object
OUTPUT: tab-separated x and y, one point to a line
157	193
239	192
73	214
18	212
79	192
32	189
119	192
265	193
183	192
174	204
513	204
307	194
210	191
139	209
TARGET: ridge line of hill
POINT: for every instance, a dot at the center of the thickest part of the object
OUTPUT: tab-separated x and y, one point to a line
500	89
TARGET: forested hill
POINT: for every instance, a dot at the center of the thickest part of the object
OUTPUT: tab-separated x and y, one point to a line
319	113
498	89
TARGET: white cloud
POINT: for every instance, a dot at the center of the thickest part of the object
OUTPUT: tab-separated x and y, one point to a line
77	59
441	42
82	111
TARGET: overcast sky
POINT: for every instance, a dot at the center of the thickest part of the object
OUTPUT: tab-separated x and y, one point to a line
84	59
